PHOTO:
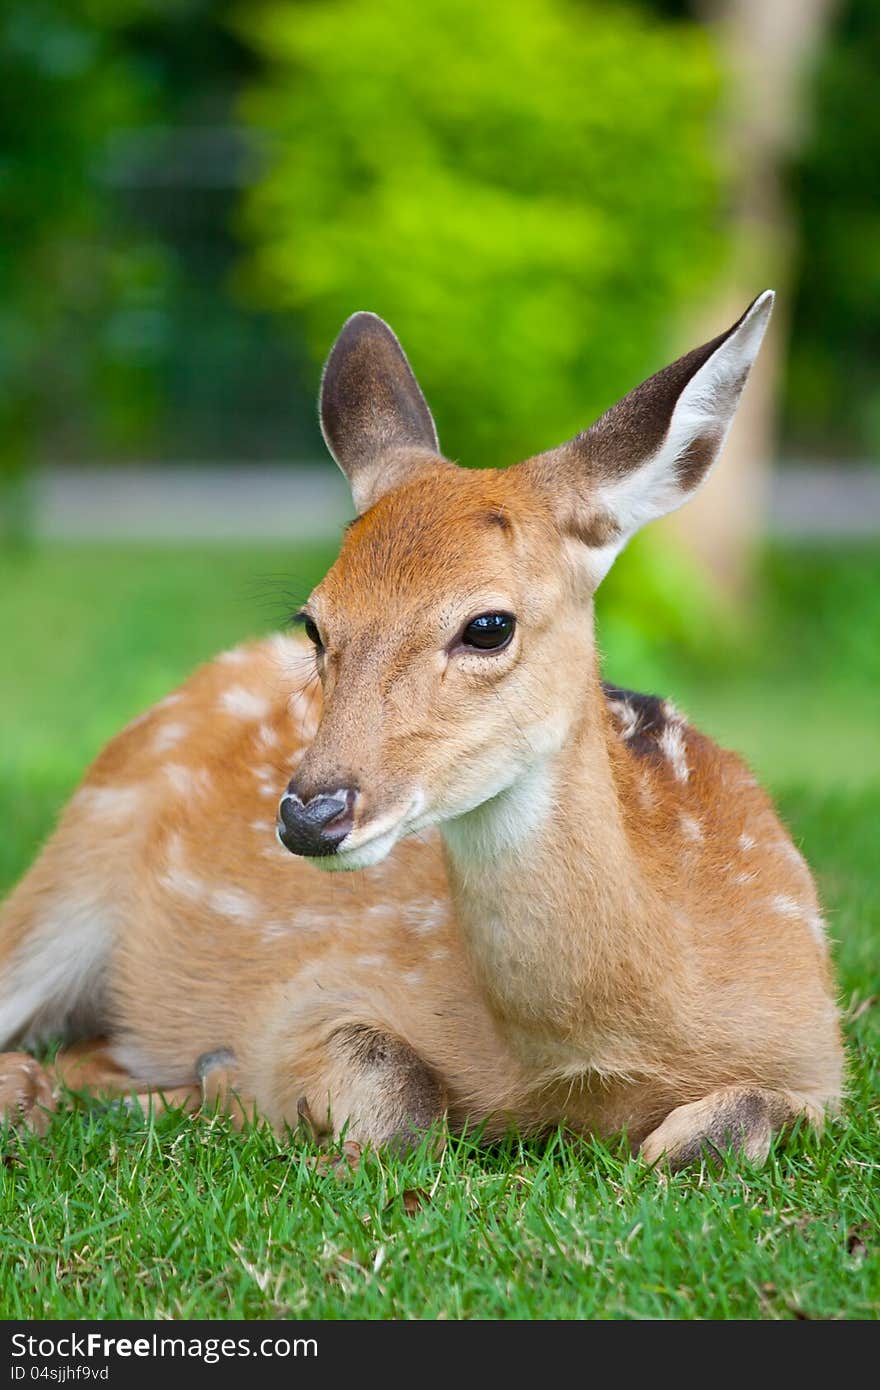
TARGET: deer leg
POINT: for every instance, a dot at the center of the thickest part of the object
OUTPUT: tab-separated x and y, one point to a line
361	1079
369	1082
27	1094
29	1091
738	1118
90	1067
383	1091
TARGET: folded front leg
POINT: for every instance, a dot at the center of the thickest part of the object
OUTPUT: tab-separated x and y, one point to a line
739	1118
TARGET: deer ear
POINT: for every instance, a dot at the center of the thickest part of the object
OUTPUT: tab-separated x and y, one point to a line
648	454
374	418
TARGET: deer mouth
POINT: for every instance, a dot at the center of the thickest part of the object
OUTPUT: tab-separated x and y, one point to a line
363	845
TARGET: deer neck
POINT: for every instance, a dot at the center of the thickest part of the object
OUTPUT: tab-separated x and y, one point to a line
554	908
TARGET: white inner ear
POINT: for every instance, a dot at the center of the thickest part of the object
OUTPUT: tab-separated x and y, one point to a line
704	411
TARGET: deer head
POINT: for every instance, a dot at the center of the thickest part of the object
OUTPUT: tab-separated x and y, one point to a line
453	636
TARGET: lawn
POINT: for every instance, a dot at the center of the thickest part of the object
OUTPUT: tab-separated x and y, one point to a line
118	1214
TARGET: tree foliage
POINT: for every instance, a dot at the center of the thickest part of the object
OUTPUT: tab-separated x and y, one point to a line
71	291
526	191
833	389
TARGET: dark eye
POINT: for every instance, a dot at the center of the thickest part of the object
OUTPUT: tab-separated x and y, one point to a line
312	632
489	632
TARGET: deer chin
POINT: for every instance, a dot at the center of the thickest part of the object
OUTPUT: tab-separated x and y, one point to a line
362	856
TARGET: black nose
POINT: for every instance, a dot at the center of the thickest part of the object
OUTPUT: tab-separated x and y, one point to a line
317	826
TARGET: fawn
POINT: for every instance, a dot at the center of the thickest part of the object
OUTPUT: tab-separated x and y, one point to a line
569	905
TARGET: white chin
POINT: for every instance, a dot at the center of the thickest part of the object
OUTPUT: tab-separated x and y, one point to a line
361	857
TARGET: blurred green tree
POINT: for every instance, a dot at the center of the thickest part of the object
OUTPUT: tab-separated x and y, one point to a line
528	192
74	297
832	398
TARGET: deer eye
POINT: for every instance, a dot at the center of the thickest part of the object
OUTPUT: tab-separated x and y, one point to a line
489	632
312	632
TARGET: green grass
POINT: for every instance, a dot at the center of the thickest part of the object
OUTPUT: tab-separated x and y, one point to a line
118	1214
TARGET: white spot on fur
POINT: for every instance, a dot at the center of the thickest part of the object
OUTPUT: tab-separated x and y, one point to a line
188	781
234	903
268	737
817	926
372	962
786	848
747	842
412	977
236	656
748	876
691	829
244	703
226	901
303	922
167	735
440	953
786	906
184	885
671	744
115	802
425	917
268	790
626	716
262	827
265	774
174	849
276	931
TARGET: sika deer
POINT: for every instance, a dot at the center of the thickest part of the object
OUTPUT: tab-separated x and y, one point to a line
611	928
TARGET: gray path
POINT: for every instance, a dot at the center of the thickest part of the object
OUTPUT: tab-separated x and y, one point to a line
287	502
260	502
833	501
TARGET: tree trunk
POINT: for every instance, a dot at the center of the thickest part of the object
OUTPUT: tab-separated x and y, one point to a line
767	49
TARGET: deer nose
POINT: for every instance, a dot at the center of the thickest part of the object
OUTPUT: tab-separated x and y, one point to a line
318	825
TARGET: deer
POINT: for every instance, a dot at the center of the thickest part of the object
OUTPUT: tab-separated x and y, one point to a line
420	864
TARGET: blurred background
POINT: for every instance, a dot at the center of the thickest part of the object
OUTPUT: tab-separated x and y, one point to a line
548	200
